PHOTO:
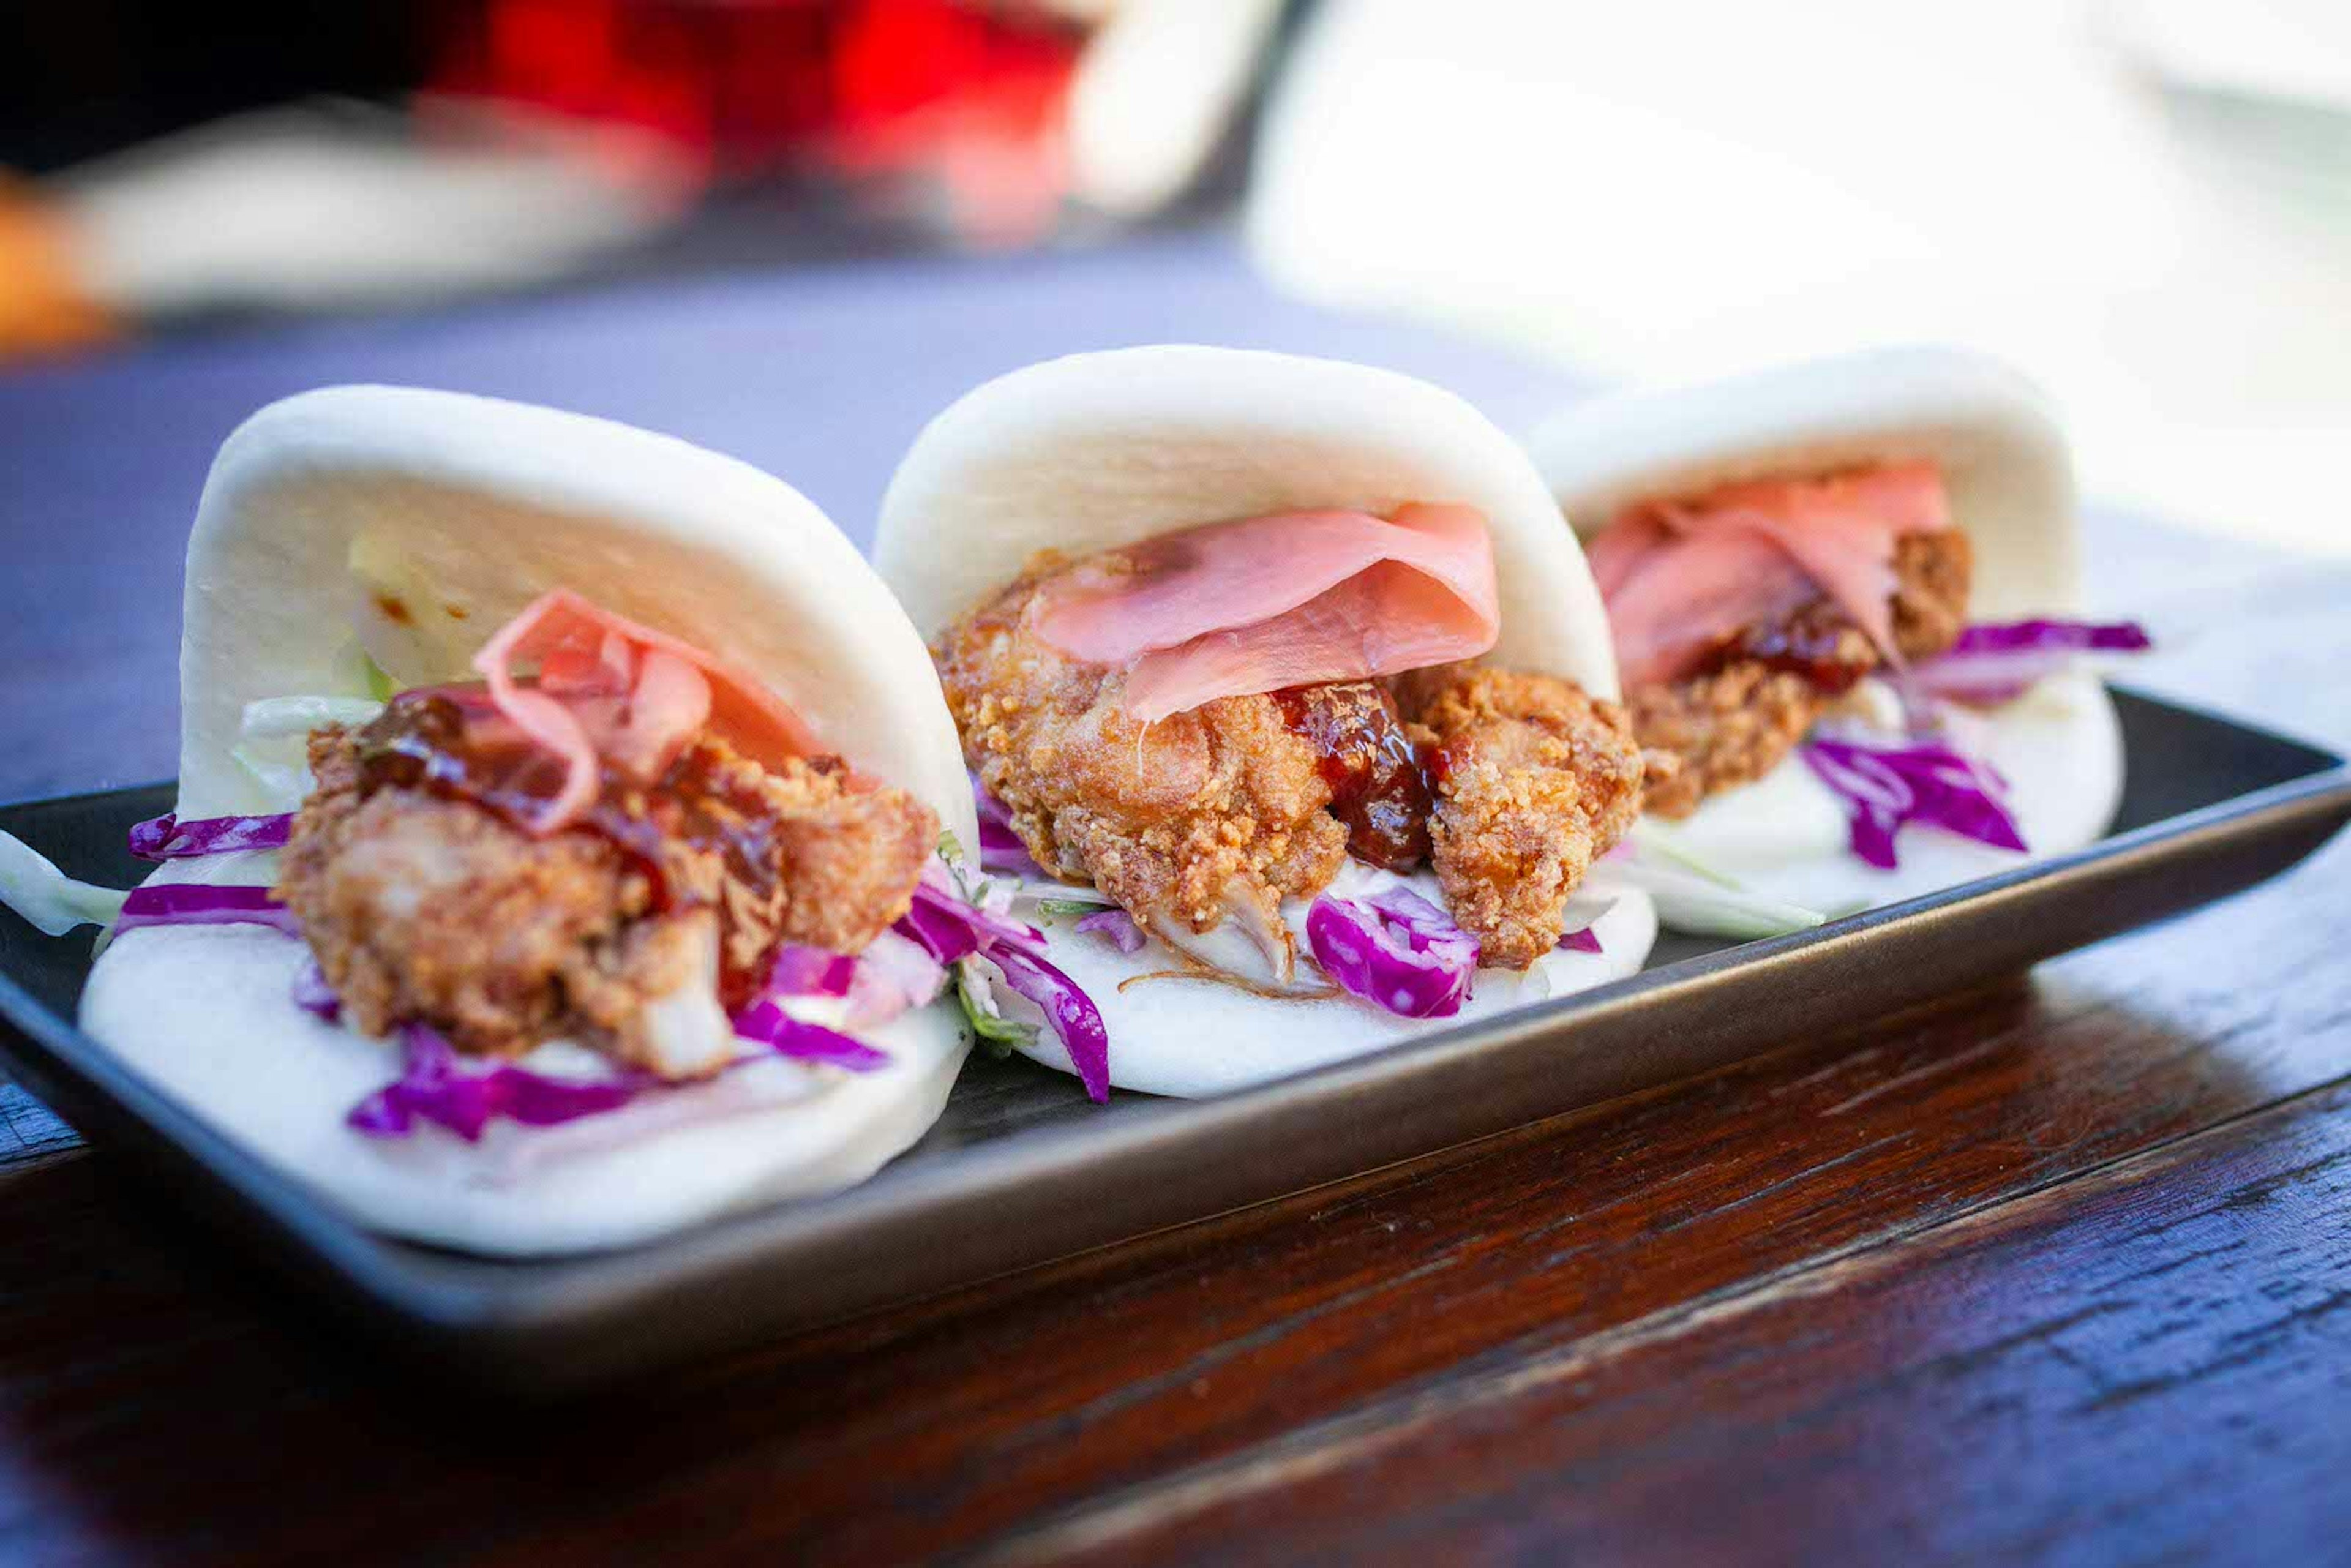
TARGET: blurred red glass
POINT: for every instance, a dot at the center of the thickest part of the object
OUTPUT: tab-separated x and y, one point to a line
749	87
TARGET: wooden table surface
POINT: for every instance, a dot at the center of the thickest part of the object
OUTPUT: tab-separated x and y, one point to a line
2059	1270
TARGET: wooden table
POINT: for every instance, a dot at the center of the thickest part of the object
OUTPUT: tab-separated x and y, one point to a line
2057	1270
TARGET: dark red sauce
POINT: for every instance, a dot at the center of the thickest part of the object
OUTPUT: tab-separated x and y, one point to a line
1824	658
1816	642
452	741
1371	766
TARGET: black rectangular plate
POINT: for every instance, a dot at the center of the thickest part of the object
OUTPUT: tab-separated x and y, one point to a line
1021	1169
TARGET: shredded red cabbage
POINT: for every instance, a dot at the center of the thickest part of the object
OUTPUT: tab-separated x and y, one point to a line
940	932
1887	788
1001	849
167	838
1397	951
950	930
1998	662
434	1087
803	971
1116	924
1072	1013
2098	636
313	995
765	1023
203	904
1584	941
892	976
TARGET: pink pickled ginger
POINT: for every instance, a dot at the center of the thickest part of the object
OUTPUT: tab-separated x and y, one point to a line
1680	578
611	690
1255	605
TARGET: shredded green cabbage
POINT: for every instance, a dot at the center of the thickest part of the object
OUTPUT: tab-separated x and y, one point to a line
275	718
379	685
53	902
1693	896
989	1026
283	783
269	739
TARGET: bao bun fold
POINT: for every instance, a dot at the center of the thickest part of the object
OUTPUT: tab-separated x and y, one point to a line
488	504
2004	463
418	523
1098	452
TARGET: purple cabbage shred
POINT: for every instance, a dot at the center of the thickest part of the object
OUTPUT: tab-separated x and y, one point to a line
765	1023
800	971
167	838
1397	951
1117	926
204	903
2078	636
949	930
435	1086
1887	788
1072	1013
1992	663
1001	849
313	995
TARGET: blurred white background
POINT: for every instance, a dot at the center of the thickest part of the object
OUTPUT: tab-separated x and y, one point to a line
2147	203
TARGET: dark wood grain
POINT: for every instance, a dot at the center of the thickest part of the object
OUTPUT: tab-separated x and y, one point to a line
151	1399
2150	1364
2051	1271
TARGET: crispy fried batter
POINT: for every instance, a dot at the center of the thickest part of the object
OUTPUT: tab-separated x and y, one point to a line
1534	779
1205	813
421	906
1736	722
851	857
1932	575
1727	728
847	852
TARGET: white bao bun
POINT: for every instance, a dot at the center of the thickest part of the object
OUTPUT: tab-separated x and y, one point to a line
466	508
2004	456
1096	451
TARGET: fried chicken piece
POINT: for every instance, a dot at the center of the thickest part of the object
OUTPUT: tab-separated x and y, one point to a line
805	851
1932	576
1727	728
1533	780
1220	810
1735	722
420	906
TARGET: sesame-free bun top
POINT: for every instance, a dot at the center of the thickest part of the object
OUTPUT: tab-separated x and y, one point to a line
413	524
1994	433
1096	451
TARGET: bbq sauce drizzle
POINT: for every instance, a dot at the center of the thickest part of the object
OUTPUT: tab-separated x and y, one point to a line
451	741
1378	785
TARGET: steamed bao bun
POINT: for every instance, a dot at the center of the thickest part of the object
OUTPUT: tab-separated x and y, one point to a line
456	511
2004	457
1096	451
